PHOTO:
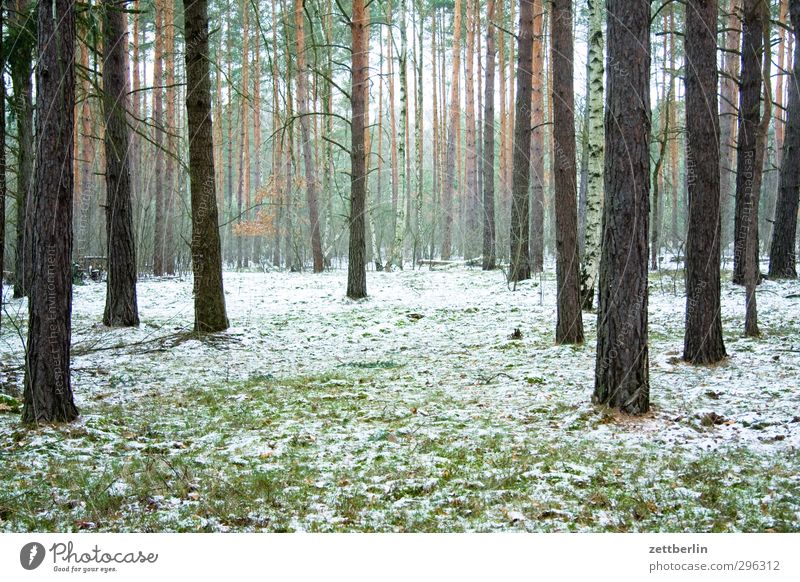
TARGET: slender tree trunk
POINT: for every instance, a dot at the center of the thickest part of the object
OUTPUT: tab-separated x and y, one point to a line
160	183
48	390
537	141
782	259
677	234
359	91
703	342
21	63
621	373
308	158
121	308
520	268
729	90
471	248
450	172
171	126
746	219
594	185
569	325
489	239
209	296
780	118
2	161
752	185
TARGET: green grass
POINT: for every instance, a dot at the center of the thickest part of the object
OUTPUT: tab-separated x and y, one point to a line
327	454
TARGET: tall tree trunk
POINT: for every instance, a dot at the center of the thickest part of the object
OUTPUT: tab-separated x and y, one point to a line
780	118
21	63
401	172
782	257
746	219
621	372
209	296
2	161
489	239
450	172
359	91
171	126
569	324
729	89
471	248
244	149
703	342
672	112
419	133
537	141
594	184
121	308
160	183
308	158
752	184
520	268
48	389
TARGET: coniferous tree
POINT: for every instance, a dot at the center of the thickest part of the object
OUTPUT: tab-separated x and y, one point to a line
48	388
703	342
121	307
209	296
622	370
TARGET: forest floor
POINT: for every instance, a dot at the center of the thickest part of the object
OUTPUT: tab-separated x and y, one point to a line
413	410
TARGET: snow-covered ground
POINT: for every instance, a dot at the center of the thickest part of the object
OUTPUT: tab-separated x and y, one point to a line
411	410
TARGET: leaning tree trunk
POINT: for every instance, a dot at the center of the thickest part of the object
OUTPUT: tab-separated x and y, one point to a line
489	238
121	309
209	296
569	322
703	337
48	390
520	268
621	373
782	257
356	268
594	187
746	214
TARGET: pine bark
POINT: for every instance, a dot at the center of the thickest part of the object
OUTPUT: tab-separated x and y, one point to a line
21	63
450	172
748	172
489	237
159	180
783	258
2	162
48	390
703	343
356	268
209	296
303	113
537	141
121	308
171	127
569	323
472	226
520	269
621	372
729	90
